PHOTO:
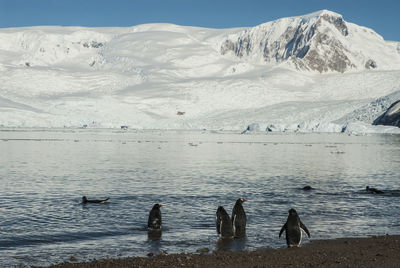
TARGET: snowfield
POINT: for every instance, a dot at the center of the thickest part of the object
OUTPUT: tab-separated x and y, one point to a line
311	73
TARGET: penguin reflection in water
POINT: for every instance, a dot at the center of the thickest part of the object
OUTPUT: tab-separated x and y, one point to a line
293	227
239	218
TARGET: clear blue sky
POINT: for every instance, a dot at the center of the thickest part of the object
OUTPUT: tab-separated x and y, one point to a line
381	15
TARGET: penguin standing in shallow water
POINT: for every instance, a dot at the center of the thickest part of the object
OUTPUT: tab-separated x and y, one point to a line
239	218
155	221
224	223
293	227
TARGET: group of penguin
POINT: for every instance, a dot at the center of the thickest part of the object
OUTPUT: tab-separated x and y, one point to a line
235	226
230	227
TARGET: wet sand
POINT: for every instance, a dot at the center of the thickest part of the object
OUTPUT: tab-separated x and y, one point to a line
382	251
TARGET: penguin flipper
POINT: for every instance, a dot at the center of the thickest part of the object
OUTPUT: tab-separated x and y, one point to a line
103	201
282	229
218	222
302	226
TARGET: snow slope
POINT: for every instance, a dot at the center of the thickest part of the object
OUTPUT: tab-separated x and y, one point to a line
167	76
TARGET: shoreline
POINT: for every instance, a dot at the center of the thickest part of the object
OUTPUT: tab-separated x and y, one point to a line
343	252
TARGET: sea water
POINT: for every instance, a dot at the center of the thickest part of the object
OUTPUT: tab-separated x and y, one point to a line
45	173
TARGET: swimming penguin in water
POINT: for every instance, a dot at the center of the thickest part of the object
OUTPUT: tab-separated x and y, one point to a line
224	223
293	227
239	218
373	190
101	201
155	221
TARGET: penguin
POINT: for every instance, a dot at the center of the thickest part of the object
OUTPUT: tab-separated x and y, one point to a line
373	190
293	227
224	223
85	200
239	218
155	221
307	188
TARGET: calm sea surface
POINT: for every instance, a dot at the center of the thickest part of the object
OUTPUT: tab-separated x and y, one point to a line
44	174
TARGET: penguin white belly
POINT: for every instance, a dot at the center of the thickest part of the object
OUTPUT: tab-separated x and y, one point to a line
234	224
301	235
294	236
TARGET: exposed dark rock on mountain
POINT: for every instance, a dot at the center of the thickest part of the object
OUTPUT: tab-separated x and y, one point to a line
370	64
391	117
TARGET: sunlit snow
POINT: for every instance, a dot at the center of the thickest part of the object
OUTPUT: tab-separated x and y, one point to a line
164	76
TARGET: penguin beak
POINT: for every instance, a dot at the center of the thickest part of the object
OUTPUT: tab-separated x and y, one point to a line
161	205
245	200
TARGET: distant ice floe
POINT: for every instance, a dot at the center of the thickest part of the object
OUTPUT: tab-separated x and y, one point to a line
360	128
353	128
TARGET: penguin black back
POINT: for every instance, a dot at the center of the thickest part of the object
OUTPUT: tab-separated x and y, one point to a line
373	190
101	201
293	227
155	220
239	218
224	224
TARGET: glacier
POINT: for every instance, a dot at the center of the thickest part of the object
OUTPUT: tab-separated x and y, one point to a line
311	73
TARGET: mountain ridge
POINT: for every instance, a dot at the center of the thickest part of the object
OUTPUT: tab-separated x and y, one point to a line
169	76
321	41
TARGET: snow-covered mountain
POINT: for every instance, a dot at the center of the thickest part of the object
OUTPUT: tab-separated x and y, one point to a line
321	41
308	72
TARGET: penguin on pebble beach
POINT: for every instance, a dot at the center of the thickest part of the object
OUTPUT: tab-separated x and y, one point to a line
293	227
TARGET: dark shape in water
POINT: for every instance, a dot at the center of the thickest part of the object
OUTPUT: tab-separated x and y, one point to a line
155	220
373	190
101	201
307	188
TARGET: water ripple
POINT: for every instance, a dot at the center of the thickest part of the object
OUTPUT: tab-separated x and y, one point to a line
45	174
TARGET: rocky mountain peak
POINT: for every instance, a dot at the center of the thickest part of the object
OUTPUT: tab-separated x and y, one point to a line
334	19
321	41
